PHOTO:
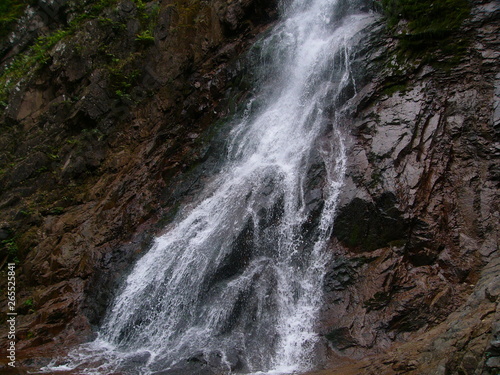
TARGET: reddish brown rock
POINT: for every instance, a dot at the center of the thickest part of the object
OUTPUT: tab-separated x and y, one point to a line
101	145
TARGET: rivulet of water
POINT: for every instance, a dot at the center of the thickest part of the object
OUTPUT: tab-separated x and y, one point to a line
235	284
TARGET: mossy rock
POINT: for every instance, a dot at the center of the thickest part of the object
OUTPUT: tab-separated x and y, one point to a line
428	30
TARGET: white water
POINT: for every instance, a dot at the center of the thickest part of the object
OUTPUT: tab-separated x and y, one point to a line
237	281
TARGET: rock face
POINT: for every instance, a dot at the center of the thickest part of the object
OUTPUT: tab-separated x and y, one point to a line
100	141
118	122
416	238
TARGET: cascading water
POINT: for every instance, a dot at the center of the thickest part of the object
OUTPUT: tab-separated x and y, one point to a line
235	284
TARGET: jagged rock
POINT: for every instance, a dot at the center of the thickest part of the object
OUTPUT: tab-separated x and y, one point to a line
79	150
414	280
429	146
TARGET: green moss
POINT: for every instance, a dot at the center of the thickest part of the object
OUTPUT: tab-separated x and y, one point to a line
56	211
188	13
42	170
26	63
146	37
9	247
100	5
72	141
10	11
392	89
429	28
37	55
376	178
429	17
117	26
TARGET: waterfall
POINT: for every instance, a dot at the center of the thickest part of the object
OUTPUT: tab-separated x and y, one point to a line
234	285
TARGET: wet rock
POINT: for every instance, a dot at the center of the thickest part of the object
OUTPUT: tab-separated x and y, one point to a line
135	361
342	273
86	153
199	364
239	256
417	223
418	203
233	13
28	168
5	232
365	226
341	338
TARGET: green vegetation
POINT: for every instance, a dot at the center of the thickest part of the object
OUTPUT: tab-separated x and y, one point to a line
435	17
10	11
26	212
389	90
116	26
101	5
188	13
56	211
145	36
122	75
148	18
139	4
39	53
10	247
427	29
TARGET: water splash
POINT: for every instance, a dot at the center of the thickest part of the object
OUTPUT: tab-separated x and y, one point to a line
236	284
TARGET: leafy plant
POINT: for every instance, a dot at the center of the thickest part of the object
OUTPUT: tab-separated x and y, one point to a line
148	17
56	211
105	21
37	55
140	4
12	249
145	36
123	76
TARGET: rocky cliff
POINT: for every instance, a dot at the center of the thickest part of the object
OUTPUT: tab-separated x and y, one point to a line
113	113
107	108
416	274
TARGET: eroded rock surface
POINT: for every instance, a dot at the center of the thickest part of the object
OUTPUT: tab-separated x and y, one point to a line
416	238
102	142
